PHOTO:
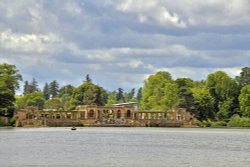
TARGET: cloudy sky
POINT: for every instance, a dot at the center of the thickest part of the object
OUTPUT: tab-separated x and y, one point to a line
120	42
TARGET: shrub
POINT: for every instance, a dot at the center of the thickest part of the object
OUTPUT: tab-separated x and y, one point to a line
237	121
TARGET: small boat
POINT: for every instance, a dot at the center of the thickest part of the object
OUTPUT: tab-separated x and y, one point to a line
73	128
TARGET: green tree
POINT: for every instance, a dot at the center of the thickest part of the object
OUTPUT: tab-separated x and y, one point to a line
67	89
88	79
46	93
32	99
9	83
139	94
244	78
203	104
244	100
54	103
111	98
120	95
88	94
54	88
185	93
131	94
224	90
159	92
26	88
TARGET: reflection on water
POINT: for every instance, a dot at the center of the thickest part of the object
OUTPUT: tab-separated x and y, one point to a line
116	147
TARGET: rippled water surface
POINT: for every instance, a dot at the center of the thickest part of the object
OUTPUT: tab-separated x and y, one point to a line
114	147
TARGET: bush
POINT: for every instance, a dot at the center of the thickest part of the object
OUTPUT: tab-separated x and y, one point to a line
206	123
218	124
237	121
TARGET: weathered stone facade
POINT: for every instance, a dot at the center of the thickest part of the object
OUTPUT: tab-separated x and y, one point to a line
91	115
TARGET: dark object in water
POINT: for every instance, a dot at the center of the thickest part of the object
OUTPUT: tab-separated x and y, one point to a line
73	128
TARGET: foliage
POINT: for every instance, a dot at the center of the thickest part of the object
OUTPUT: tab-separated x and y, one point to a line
120	96
185	86
218	124
89	94
224	90
46	93
203	104
31	99
244	100
9	83
139	94
54	88
159	92
67	89
88	79
54	103
244	78
30	87
237	121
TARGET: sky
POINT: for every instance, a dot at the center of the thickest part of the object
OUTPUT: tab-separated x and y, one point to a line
119	43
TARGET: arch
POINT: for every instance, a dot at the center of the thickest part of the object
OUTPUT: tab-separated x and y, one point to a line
91	114
119	114
128	114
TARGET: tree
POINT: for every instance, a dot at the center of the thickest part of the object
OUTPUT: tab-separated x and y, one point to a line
46	93
54	103
185	93
26	88
203	103
131	94
120	96
32	99
224	90
30	87
89	94
88	79
244	100
9	83
159	92
54	88
33	86
244	78
67	89
111	98
139	94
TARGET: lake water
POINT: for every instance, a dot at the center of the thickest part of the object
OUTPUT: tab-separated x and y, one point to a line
118	147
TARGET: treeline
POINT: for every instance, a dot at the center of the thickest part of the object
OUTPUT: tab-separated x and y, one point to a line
218	100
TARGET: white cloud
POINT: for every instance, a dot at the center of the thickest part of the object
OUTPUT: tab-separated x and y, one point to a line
30	43
72	8
151	10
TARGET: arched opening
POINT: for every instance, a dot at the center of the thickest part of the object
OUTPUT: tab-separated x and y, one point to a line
128	114
119	114
91	114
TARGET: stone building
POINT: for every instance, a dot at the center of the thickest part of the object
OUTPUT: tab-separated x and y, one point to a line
92	115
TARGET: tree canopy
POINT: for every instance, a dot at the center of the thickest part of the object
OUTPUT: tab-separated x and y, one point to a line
9	83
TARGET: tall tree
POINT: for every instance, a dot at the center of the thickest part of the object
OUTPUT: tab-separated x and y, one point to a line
88	79
54	88
26	88
120	95
185	93
139	94
159	92
224	90
244	100
244	77
9	83
46	92
131	94
203	103
33	86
